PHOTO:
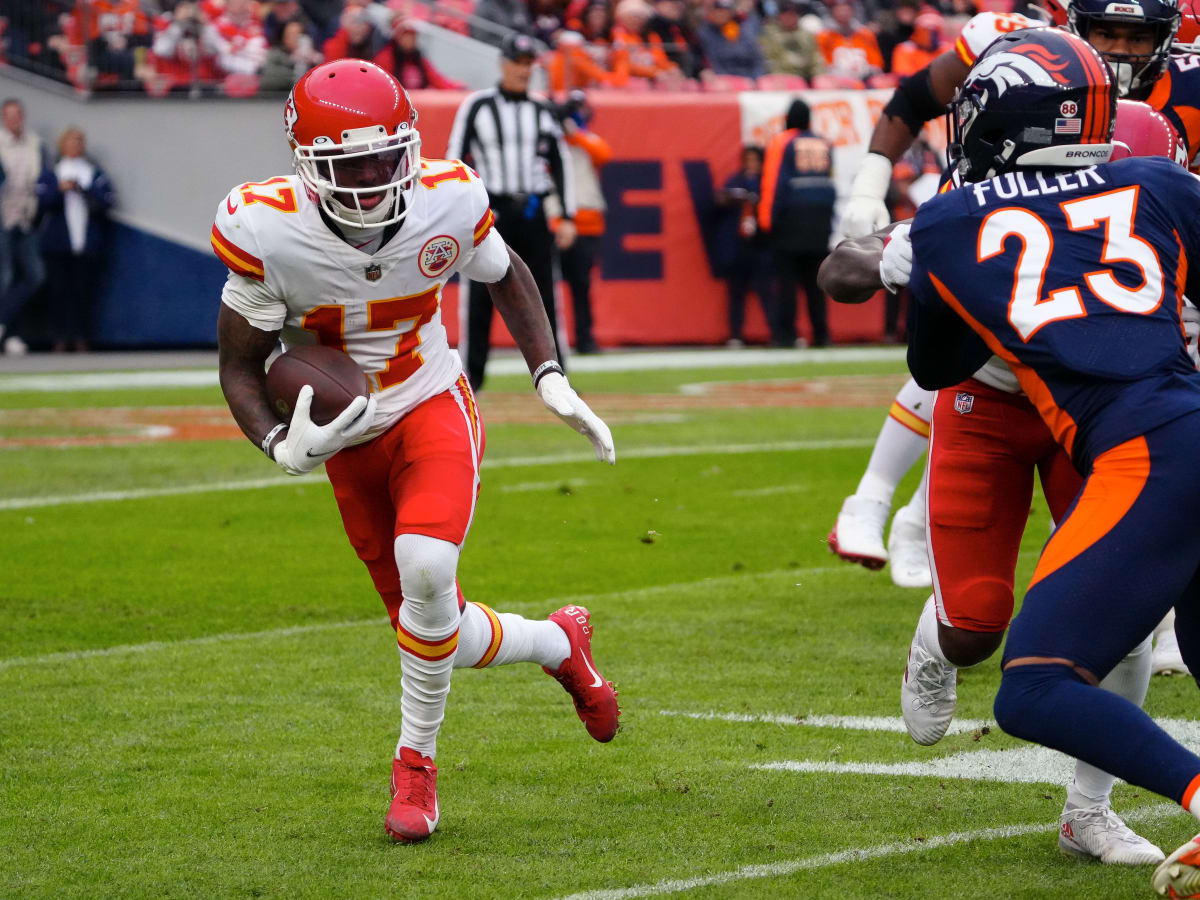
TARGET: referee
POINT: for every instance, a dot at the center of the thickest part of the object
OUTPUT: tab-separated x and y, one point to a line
513	140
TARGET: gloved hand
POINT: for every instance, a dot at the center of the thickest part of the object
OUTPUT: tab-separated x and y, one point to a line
306	444
560	398
895	267
865	211
1191	329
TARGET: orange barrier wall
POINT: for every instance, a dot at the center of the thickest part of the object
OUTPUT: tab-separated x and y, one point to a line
653	283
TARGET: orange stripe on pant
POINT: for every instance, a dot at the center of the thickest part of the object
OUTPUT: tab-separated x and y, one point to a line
1189	793
431	651
497	637
1115	482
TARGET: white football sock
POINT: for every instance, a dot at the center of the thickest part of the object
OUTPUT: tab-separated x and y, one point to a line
483	643
916	505
1130	679
899	445
927	634
427	637
1167	624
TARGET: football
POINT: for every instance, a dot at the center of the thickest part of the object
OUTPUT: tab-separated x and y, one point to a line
336	380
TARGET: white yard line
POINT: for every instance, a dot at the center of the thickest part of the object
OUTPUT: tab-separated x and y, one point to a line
854	723
856	854
551	603
511	462
626	361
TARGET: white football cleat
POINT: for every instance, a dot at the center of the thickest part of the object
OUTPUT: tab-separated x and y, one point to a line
1096	832
858	535
1166	659
1179	874
928	693
908	553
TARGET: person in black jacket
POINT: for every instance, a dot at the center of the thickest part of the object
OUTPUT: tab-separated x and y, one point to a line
74	198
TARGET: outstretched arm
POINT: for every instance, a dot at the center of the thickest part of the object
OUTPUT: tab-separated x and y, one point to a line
852	272
516	296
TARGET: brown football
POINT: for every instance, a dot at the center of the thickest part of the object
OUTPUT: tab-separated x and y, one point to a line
336	380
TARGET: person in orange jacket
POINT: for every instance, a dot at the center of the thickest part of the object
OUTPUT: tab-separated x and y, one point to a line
924	45
588	152
849	47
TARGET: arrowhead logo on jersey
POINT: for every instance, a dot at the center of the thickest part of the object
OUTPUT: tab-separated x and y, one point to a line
963	402
438	254
1026	64
373	272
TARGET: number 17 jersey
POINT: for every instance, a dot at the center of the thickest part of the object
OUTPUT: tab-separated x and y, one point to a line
1075	279
290	272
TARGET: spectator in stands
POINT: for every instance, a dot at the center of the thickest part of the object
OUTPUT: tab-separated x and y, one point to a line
895	27
75	197
924	45
404	59
22	270
508	14
281	13
788	48
731	46
548	19
636	51
239	39
849	47
574	64
289	58
677	36
34	40
112	31
183	54
324	15
587	152
741	253
796	211
959	13
355	38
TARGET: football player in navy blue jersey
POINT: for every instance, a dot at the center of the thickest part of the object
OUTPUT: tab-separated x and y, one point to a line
1072	269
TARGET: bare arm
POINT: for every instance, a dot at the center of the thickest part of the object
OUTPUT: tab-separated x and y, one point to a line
892	135
850	274
242	357
516	296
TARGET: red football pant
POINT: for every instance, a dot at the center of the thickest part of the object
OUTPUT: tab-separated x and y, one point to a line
982	457
421	476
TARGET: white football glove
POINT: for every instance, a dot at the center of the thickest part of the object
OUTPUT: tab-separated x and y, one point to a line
560	398
1191	329
865	211
895	266
307	444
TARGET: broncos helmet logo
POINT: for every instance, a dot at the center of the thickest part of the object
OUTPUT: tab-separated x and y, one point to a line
1024	64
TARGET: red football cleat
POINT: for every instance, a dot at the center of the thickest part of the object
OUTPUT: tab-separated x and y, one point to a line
595	699
413	815
1178	876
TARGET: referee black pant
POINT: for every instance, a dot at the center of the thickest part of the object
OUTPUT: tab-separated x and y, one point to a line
530	238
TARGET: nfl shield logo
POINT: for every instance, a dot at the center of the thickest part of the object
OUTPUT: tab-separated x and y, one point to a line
374	272
963	402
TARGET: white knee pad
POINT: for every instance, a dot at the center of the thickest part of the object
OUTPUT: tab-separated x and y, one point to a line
427	569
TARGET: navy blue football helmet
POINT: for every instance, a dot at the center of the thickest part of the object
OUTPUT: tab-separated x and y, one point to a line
1136	72
1036	98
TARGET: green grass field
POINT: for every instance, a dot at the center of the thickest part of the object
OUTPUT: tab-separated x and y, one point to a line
199	693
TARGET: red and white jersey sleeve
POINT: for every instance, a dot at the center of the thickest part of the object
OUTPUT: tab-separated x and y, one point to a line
289	271
984	28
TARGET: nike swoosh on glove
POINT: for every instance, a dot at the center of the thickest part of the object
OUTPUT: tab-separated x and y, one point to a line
560	398
308	444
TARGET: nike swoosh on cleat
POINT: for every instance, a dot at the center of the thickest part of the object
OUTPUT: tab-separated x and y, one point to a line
599	681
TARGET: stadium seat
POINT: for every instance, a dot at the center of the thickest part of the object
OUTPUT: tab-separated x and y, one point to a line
836	83
240	85
727	83
780	81
883	80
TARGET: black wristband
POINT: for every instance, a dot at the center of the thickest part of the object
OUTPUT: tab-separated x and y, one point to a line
550	365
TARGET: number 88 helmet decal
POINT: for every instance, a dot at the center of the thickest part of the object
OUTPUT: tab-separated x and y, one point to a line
354	141
1039	97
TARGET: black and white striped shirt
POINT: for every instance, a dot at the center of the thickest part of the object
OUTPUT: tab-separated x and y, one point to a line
515	144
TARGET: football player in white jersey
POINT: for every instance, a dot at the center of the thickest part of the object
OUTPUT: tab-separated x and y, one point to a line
353	252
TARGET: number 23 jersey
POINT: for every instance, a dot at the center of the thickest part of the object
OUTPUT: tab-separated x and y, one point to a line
289	272
1074	279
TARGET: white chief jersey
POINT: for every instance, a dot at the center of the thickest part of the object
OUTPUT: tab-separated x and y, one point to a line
289	272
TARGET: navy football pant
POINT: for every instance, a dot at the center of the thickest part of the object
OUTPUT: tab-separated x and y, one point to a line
1127	551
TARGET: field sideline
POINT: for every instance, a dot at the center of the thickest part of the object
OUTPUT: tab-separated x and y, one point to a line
199	691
